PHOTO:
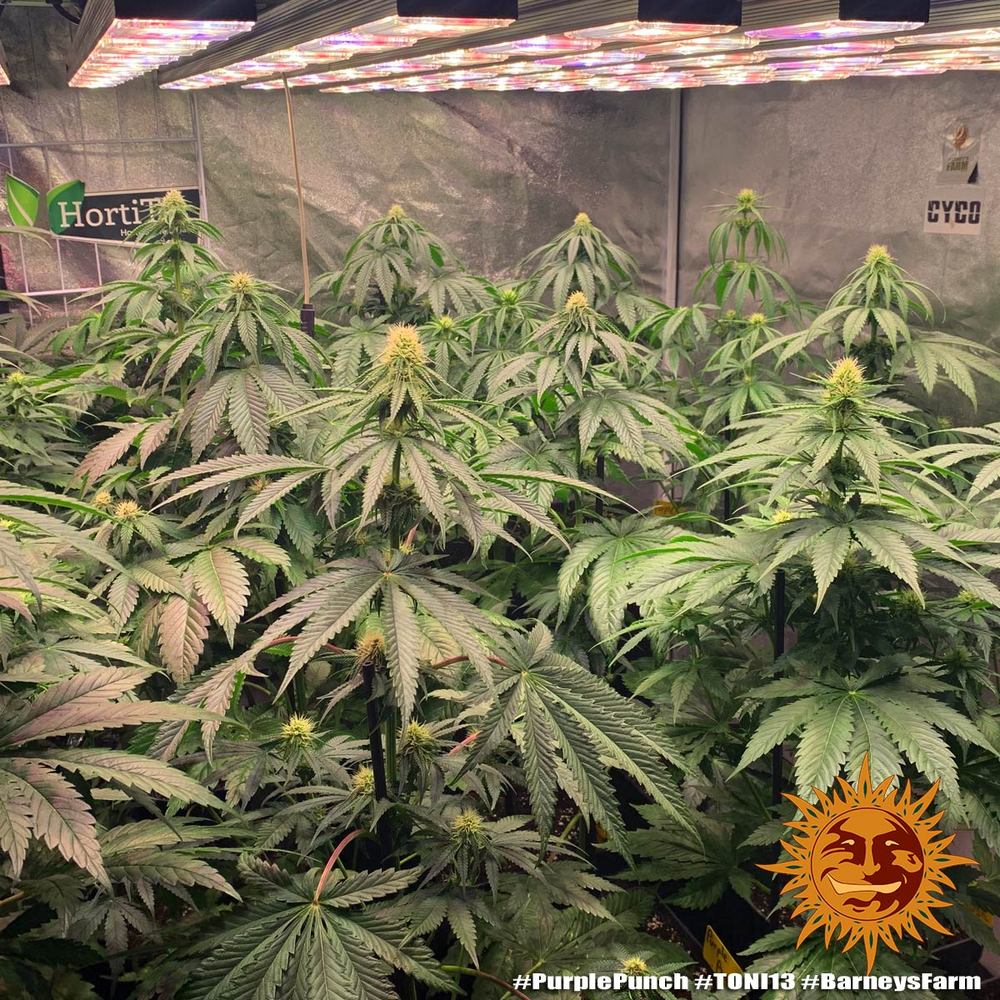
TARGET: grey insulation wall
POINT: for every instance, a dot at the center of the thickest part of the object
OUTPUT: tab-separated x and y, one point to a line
845	164
493	174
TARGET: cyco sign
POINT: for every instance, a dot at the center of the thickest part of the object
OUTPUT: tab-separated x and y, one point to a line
69	211
946	212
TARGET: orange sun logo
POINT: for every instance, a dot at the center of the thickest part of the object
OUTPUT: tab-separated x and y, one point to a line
867	865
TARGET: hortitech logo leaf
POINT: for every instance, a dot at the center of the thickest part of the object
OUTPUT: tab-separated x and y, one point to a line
22	201
62	203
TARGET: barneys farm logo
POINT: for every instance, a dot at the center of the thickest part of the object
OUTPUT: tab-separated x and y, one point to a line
868	864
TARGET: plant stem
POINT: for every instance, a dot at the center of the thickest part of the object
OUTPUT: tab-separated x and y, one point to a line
599	505
568	829
12	898
375	745
331	861
391	715
463	971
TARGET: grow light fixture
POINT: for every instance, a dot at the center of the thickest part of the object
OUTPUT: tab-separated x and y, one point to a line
4	73
736	76
308	80
698	46
593	60
963	56
540	45
505	83
717	59
965	36
853	47
299	34
669	20
121	39
915	68
818	20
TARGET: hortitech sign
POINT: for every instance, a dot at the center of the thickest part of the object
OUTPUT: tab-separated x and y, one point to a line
69	210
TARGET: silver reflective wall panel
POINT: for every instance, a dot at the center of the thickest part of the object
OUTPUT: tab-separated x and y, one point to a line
845	164
494	175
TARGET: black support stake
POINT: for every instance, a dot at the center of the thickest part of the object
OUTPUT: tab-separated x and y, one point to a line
307	319
778	609
378	757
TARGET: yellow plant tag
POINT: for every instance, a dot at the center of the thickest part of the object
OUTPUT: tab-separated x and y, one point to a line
717	955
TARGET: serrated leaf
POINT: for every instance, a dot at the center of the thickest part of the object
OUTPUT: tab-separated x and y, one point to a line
183	629
222	583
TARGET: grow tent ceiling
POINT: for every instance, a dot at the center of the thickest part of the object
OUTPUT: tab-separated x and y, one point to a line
561	45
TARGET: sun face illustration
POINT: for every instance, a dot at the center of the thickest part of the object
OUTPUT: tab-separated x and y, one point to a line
868	864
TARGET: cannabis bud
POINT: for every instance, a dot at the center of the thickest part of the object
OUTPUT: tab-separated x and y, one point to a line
757	319
418	736
403	348
747	198
242	283
16	378
395	213
582	220
782	516
635	966
256	485
577	303
845	381
467	826
363	781
298	730
103	499
174	201
370	650
878	254
126	509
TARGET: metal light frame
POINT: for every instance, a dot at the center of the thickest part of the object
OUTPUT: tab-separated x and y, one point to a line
101	18
299	22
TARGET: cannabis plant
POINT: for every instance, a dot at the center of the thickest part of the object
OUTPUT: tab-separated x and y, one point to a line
358	665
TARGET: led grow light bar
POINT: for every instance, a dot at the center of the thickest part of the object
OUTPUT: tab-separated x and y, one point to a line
818	20
905	69
121	39
698	46
591	60
300	36
965	36
852	47
540	45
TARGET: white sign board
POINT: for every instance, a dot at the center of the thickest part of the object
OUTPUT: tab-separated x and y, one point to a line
954	211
